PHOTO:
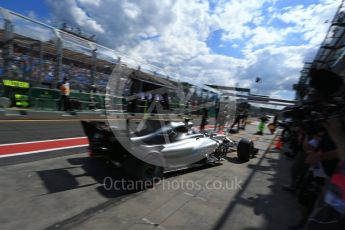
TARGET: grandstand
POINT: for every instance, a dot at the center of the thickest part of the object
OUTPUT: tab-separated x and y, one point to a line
39	56
44	59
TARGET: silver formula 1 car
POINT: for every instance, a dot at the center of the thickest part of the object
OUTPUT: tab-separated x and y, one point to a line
148	154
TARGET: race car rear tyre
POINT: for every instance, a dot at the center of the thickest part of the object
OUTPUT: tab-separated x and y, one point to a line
142	171
245	149
148	172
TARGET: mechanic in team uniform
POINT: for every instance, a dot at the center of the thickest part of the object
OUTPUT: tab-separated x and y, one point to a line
64	95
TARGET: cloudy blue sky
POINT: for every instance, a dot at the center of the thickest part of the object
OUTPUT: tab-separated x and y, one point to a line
226	42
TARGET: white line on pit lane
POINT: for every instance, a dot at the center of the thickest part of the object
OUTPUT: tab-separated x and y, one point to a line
198	197
152	223
44	150
32	142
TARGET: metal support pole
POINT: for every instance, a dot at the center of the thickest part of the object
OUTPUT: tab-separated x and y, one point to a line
8	46
93	66
59	55
41	74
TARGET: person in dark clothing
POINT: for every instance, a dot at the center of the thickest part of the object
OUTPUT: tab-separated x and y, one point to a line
165	102
216	114
240	118
321	158
243	121
299	167
204	119
326	158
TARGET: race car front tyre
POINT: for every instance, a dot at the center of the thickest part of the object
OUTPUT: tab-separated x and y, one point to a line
245	149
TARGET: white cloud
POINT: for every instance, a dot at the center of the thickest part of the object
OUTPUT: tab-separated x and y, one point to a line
233	17
131	10
91	2
276	66
69	10
310	20
265	35
183	28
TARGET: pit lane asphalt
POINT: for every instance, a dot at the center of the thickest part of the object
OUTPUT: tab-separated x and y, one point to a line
14	131
67	192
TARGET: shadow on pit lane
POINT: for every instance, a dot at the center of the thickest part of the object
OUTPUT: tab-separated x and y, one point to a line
277	207
104	176
235	160
59	180
69	178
